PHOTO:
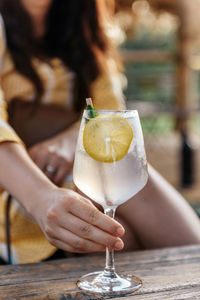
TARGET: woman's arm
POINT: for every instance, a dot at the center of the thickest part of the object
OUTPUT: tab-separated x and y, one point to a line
68	220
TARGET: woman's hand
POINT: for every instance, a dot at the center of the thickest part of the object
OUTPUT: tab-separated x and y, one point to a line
68	220
55	156
72	223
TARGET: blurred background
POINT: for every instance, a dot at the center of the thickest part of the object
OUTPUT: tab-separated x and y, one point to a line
160	47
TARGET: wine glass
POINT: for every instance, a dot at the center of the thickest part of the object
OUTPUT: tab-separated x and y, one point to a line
110	167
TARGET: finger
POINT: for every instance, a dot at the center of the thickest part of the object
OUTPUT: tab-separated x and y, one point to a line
90	232
98	206
32	153
50	171
60	175
40	159
60	245
76	243
93	216
51	167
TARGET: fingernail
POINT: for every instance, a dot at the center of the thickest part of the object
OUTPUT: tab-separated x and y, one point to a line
120	231
118	244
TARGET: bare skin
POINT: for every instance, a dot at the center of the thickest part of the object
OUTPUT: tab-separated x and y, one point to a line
68	220
158	216
53	152
37	9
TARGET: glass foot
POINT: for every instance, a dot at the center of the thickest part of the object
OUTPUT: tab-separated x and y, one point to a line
109	284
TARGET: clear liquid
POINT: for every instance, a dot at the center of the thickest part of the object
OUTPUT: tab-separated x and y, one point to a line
109	184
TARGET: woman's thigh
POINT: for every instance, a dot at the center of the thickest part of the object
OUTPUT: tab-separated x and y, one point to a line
158	216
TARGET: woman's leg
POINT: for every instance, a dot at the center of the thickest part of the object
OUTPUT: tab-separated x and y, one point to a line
158	216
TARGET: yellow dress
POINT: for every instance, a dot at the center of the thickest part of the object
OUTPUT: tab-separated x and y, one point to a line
28	242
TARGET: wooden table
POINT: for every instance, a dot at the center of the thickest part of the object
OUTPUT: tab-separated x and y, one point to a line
171	273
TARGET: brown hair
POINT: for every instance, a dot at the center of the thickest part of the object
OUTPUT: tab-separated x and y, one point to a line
74	33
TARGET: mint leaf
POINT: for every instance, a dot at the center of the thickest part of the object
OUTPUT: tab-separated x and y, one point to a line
92	112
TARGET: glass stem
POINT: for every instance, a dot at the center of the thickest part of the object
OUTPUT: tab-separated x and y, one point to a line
109	270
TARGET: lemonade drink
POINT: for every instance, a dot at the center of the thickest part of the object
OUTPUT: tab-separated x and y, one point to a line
110	167
113	174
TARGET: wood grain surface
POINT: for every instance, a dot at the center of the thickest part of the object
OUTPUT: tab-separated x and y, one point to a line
171	273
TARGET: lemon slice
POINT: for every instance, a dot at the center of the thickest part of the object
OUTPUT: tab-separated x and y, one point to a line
107	138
